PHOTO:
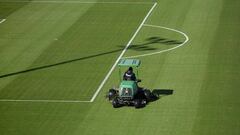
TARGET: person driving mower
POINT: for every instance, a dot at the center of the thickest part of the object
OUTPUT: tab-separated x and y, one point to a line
129	75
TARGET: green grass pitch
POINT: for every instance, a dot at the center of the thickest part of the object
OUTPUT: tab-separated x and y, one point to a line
56	50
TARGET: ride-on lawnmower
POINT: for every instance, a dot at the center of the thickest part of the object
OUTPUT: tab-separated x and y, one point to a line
129	93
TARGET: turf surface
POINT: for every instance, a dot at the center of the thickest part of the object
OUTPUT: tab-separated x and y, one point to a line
58	48
63	51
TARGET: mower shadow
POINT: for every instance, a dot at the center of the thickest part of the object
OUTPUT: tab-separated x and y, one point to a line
159	93
156	95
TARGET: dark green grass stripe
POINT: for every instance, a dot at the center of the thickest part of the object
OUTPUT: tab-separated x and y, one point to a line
74	65
7	9
58	64
218	111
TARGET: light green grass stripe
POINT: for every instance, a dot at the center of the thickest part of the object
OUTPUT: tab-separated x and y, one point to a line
123	52
79	2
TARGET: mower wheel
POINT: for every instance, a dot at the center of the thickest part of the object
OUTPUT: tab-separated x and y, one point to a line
137	103
148	95
115	103
111	94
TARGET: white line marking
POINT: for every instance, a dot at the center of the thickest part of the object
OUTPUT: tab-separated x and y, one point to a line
105	79
120	56
115	64
77	2
3	20
47	101
162	51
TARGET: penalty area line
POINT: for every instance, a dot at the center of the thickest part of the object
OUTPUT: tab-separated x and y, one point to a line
166	50
123	52
46	101
3	20
76	2
106	77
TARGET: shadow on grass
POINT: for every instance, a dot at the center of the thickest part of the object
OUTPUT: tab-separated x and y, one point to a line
159	93
147	44
138	47
155	95
165	41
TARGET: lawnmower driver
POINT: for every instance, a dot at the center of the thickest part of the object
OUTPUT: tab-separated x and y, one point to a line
129	75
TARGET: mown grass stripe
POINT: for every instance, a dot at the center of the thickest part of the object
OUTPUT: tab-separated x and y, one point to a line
78	2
